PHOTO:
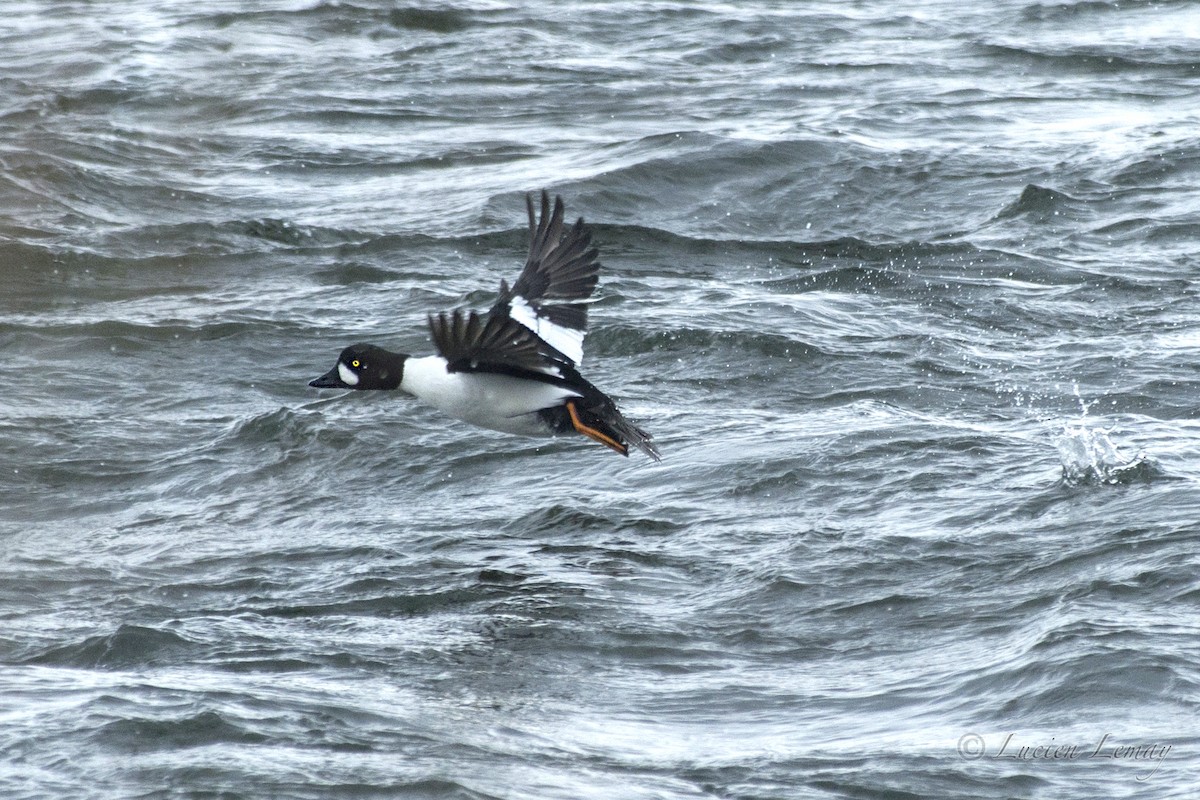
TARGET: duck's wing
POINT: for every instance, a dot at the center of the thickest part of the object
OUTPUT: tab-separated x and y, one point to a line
560	274
474	342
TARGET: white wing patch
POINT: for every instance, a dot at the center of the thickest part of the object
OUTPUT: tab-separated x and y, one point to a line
567	341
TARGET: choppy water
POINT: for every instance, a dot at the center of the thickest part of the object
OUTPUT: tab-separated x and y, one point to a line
907	293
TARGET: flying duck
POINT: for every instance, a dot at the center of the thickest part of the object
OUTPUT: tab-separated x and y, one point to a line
514	368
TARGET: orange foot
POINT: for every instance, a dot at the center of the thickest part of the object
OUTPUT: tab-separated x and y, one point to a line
592	433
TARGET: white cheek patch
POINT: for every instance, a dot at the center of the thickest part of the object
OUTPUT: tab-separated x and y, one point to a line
347	375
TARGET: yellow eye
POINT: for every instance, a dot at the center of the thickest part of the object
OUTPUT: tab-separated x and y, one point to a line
356	363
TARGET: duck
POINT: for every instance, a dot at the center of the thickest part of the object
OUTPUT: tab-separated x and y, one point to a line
515	367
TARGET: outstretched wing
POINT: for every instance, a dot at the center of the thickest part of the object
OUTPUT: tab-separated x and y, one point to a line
560	274
474	342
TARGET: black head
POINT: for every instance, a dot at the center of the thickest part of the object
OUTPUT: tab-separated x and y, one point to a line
364	366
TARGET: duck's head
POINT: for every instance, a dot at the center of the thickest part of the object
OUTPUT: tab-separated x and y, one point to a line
364	366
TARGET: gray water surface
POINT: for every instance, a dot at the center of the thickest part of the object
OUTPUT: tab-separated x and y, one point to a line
906	292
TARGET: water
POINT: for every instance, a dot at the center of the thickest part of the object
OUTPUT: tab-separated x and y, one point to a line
905	291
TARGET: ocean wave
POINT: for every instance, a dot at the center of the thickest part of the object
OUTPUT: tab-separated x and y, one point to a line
1097	59
130	646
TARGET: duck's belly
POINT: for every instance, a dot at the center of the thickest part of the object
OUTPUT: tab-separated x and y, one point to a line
498	402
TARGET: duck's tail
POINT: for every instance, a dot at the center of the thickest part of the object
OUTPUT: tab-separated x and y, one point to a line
596	416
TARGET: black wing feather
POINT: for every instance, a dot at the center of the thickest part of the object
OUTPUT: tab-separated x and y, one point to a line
474	342
561	271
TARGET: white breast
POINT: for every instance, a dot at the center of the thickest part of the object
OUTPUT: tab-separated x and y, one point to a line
498	402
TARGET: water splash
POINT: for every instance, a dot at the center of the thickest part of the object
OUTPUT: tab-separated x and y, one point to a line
1090	458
